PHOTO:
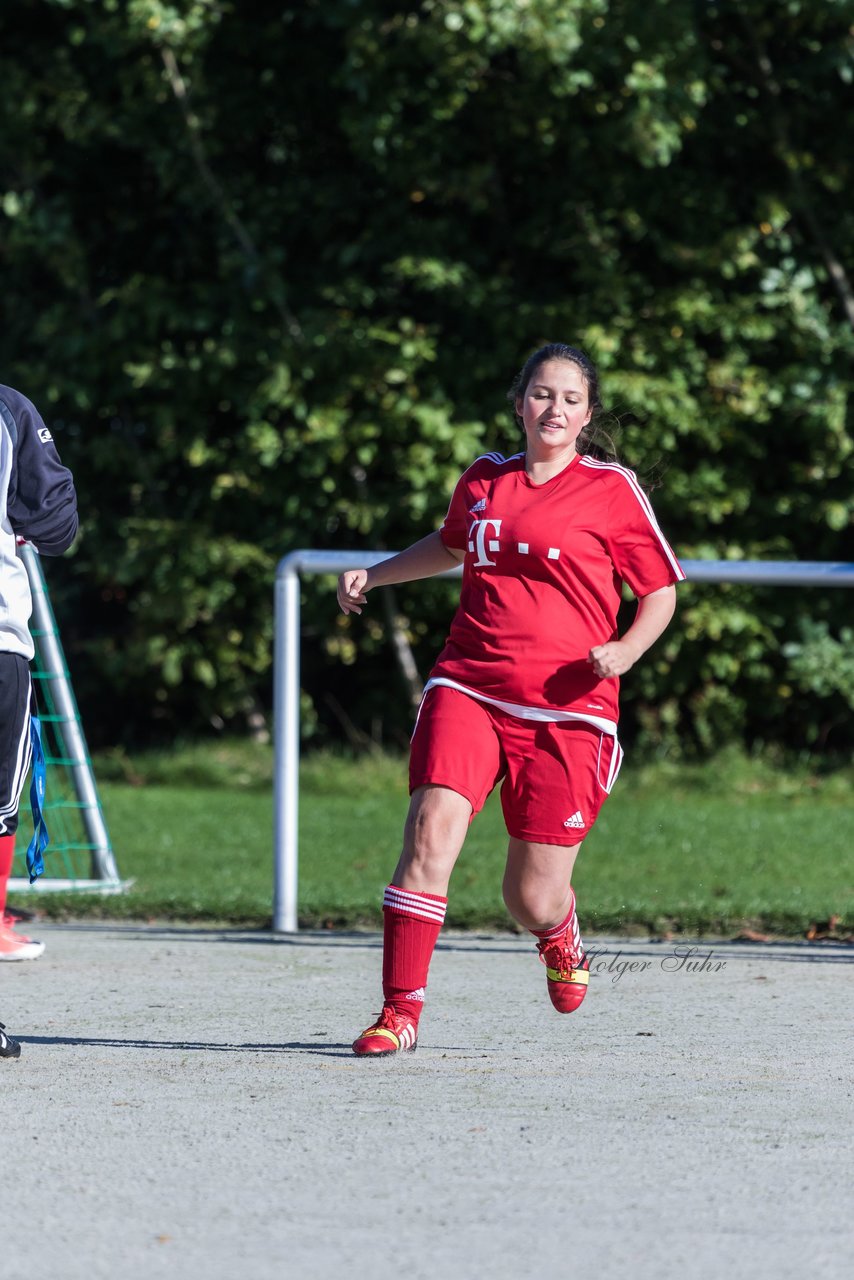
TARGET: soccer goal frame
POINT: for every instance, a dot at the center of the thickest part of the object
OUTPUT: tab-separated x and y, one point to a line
73	808
286	668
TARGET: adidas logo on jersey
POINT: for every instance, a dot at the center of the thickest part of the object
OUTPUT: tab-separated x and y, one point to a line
575	821
480	505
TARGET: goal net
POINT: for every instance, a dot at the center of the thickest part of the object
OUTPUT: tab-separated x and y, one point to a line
79	856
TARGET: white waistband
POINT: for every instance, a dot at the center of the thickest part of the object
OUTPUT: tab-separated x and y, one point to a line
526	713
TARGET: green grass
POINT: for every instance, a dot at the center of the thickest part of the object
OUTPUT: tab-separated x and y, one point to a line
708	848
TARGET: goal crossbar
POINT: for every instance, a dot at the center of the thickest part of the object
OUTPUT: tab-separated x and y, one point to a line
286	666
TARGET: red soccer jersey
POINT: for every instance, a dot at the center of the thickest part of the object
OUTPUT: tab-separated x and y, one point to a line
542	579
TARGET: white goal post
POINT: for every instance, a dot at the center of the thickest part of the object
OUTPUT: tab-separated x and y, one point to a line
286	686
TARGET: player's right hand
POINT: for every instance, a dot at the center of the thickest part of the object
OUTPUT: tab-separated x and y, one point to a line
351	590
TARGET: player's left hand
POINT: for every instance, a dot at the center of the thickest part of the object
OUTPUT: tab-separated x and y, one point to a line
611	659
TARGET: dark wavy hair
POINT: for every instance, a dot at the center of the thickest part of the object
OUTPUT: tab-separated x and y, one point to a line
593	440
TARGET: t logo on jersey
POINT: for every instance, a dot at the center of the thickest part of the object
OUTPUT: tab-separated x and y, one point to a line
480	541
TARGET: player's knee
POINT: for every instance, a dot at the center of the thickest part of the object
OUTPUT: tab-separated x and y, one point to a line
431	842
437	821
517	901
426	839
534	906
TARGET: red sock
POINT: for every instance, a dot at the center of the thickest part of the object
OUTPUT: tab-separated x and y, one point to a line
7	853
558	930
412	924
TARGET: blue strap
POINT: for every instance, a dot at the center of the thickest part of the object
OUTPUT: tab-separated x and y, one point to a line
40	840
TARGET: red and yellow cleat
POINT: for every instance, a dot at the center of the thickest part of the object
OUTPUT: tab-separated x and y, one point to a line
567	973
389	1034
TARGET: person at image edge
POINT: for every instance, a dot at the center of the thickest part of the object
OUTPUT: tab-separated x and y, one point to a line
38	504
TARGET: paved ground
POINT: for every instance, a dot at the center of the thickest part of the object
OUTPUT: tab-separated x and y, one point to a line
186	1105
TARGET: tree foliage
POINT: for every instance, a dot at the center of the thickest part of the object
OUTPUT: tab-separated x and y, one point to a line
269	268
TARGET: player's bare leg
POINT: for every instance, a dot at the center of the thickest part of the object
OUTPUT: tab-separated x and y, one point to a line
539	895
414	911
436	827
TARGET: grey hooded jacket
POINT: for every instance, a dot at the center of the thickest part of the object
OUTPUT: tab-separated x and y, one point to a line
37	502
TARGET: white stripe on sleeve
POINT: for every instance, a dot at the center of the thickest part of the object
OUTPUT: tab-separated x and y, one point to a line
645	505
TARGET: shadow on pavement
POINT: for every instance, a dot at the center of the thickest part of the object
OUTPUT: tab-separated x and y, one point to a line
791	951
323	1050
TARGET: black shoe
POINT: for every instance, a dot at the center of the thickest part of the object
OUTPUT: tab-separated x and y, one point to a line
18	915
9	1048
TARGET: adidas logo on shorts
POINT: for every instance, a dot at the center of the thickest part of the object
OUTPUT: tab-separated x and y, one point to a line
576	821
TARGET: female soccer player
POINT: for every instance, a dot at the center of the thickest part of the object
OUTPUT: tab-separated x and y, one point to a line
525	690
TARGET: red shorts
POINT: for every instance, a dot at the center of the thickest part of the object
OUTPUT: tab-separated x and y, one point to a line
556	773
